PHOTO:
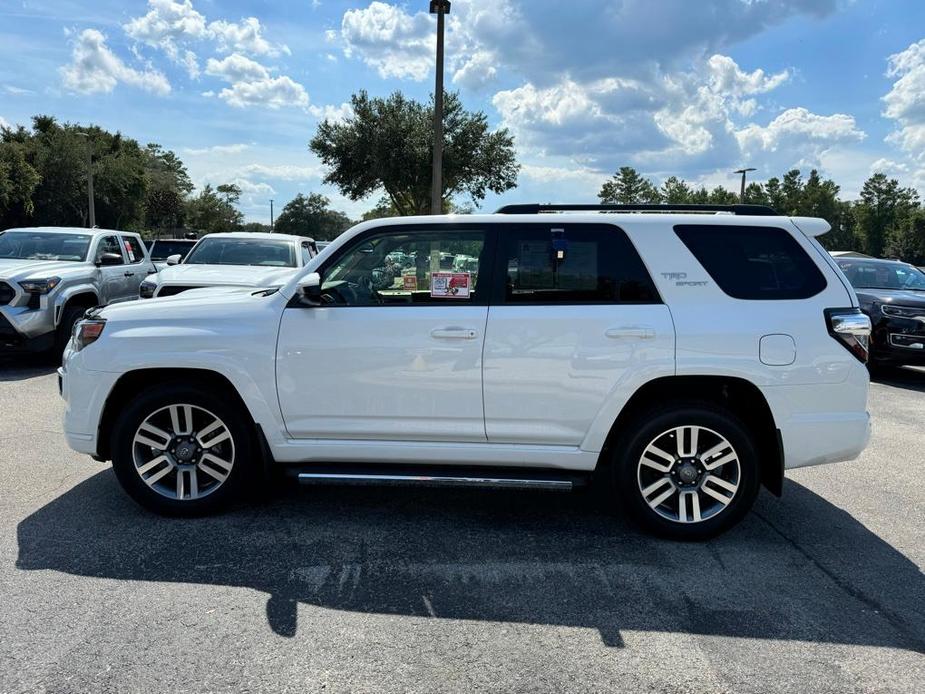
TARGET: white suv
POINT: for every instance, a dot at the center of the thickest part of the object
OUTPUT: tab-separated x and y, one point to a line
685	358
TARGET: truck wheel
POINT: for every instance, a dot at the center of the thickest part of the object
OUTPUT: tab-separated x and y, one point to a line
71	315
179	450
687	472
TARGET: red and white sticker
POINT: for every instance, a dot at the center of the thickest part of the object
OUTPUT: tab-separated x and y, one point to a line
410	282
450	285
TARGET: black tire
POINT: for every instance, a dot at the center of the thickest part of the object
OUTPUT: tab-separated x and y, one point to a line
71	315
645	429
237	422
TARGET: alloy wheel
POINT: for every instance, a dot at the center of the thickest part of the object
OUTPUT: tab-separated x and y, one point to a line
183	452
689	474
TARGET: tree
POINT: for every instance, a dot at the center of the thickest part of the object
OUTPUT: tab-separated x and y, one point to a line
675	191
213	210
627	187
387	144
18	181
167	184
311	216
881	211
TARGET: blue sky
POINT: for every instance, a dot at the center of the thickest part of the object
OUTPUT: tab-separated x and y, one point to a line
672	87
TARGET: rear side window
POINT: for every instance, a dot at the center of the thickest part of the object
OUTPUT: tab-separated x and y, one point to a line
572	264
762	263
133	249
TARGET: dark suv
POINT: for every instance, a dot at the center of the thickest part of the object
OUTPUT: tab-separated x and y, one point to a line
892	294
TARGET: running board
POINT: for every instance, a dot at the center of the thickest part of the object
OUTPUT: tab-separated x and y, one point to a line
547	480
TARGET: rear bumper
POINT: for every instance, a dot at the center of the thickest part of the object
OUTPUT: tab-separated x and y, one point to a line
825	423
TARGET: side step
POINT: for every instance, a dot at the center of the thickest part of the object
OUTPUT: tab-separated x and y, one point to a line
440	476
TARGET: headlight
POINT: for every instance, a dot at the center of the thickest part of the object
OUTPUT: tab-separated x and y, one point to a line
146	289
88	331
40	286
903	311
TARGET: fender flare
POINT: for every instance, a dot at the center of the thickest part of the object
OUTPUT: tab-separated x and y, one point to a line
69	293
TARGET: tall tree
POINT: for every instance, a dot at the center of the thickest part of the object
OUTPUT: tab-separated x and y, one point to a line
628	187
675	191
883	206
386	144
213	210
311	215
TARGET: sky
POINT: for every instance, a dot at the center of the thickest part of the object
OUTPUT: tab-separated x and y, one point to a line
688	88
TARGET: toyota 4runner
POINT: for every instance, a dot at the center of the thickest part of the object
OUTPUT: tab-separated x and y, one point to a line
684	357
49	276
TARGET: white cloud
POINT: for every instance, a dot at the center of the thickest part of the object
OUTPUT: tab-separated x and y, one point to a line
335	114
245	36
168	25
250	188
253	85
217	149
905	102
175	26
389	39
95	68
798	126
4	123
281	172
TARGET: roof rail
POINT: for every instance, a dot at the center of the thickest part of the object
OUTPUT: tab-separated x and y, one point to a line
533	208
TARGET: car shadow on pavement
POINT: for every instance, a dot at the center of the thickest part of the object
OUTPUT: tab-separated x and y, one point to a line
901	377
19	368
798	568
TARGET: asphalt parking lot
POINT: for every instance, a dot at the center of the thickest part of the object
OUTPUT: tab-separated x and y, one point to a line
364	589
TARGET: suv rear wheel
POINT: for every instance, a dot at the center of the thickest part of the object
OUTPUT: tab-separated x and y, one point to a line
688	472
178	450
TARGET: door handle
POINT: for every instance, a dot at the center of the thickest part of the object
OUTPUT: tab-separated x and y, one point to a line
454	333
129	274
636	332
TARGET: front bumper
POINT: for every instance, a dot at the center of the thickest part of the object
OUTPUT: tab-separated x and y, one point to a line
36	337
84	394
898	341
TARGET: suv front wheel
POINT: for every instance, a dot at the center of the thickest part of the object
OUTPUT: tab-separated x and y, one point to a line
182	451
687	472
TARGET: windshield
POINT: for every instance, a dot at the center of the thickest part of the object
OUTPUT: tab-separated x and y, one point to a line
881	275
161	250
37	245
242	252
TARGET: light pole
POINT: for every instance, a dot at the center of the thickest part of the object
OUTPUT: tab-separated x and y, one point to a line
271	214
90	202
440	8
742	189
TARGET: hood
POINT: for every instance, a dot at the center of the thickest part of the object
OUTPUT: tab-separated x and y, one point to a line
201	302
17	269
900	297
225	275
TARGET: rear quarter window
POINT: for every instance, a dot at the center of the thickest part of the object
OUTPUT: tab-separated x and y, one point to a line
753	262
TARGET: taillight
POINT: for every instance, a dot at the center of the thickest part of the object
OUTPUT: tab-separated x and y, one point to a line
87	332
851	328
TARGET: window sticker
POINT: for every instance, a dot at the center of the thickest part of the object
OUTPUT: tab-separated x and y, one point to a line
410	282
131	253
450	285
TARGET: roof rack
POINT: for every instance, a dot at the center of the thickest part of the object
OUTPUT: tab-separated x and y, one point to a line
533	208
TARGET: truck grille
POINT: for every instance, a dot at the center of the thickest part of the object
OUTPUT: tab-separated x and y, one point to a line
172	289
6	293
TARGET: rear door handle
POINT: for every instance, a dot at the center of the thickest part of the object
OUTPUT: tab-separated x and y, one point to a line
129	274
454	333
633	332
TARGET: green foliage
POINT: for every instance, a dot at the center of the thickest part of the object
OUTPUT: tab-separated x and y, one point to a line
627	187
311	216
213	211
387	144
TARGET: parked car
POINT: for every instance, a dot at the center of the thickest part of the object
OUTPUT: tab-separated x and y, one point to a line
234	259
50	275
849	254
161	249
892	294
684	359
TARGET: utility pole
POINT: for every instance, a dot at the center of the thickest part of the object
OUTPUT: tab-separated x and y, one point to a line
440	8
742	189
91	205
271	214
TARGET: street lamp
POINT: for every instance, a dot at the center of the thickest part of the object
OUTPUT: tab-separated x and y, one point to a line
742	190
89	178
271	214
439	8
